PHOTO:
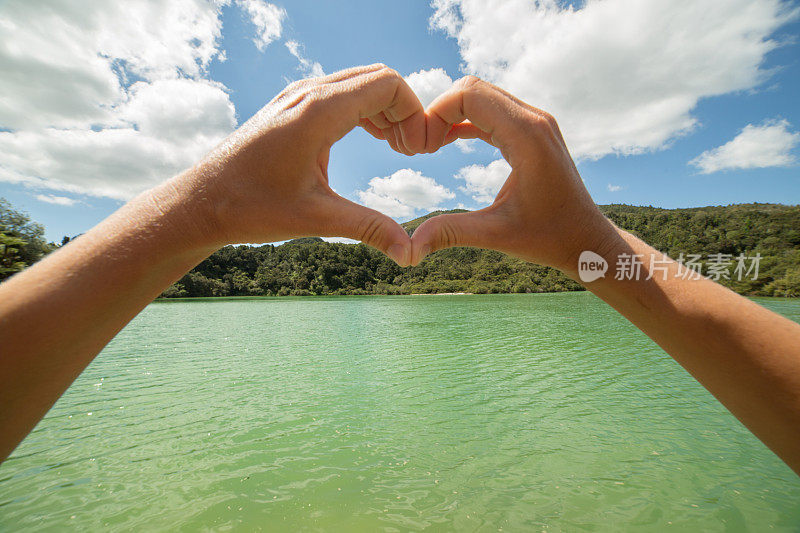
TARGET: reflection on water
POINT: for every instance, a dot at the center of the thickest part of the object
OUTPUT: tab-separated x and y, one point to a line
509	412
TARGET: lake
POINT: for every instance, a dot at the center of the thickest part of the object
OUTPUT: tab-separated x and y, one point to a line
470	413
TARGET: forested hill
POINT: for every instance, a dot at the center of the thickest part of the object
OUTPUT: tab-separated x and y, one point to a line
313	266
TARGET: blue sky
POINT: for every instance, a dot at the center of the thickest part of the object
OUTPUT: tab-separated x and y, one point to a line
720	88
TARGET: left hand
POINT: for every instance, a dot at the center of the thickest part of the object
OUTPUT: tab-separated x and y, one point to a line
268	181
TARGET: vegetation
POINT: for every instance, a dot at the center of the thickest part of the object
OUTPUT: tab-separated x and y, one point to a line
312	266
22	241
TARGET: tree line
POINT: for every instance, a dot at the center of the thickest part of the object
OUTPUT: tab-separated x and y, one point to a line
22	240
311	266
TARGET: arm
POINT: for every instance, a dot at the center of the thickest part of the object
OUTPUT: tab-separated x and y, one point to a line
746	356
267	182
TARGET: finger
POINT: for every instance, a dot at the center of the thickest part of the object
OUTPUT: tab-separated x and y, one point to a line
482	229
391	138
347	73
371	227
401	141
372	129
380	120
307	84
487	108
379	91
466	130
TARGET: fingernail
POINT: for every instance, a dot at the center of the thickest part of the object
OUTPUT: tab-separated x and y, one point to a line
397	252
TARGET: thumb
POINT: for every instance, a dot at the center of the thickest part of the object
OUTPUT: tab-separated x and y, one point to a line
373	228
480	229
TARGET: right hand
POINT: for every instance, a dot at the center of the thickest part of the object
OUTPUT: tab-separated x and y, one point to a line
543	213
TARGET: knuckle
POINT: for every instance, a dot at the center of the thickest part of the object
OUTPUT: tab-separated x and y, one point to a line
448	234
388	72
297	93
310	97
297	86
540	123
549	119
369	230
469	81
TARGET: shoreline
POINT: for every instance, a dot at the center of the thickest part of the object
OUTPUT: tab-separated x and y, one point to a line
443	293
312	296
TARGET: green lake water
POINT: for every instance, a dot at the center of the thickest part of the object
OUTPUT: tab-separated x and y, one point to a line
468	413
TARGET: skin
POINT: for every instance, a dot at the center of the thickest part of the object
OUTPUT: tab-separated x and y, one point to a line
747	356
268	182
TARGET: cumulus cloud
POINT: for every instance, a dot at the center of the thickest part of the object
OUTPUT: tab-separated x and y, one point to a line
621	76
179	109
267	18
73	119
428	84
404	193
757	146
309	68
483	182
467	146
171	124
56	200
614	188
64	70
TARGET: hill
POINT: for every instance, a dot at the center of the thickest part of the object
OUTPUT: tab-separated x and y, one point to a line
412	225
313	266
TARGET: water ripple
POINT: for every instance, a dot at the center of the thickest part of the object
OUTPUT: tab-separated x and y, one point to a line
474	413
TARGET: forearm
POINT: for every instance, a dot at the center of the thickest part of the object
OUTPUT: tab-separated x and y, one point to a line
266	182
747	356
57	315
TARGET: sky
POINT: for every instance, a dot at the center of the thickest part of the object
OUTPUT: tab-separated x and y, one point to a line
671	103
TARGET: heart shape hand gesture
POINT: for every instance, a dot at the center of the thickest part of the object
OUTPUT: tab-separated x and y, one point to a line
268	181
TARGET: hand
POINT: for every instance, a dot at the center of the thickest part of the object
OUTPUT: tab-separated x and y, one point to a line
543	213
269	182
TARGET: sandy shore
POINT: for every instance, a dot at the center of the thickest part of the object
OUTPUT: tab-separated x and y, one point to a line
440	293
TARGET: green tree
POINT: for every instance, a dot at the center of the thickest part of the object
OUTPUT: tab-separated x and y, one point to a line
10	257
29	245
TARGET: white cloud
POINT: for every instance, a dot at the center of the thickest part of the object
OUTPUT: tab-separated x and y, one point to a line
467	146
267	18
62	70
179	109
621	76
483	182
309	68
404	193
614	188
767	145
57	200
177	122
77	124
428	84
